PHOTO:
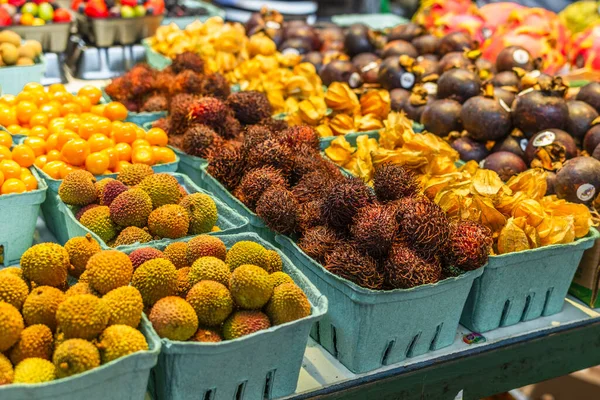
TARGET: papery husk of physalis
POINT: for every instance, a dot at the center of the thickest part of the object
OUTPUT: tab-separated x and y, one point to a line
440	165
260	43
298	86
288	60
432	185
557	229
277	101
550	157
293	119
270	64
489	216
515	236
430	144
410	159
532	182
470	166
342	124
312	110
507	204
368	122
365	147
340	151
339	97
531	210
229	41
376	102
582	216
309	71
487	183
396	124
456	201
324	130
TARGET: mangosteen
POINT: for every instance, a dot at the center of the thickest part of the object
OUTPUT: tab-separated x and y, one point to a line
295	46
485	65
596	153
393	75
333	45
535	79
398	97
330	33
578	180
315	58
415	104
430	57
505	164
549	148
506	94
302	31
408	32
357	40
442	117
340	71
539	110
458	84
368	66
506	78
485	117
514	57
455	59
550	182
398	48
428	69
590	93
581	115
456	41
511	144
468	149
426	44
592	139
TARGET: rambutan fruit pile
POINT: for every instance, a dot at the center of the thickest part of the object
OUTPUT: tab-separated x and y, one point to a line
144	89
384	237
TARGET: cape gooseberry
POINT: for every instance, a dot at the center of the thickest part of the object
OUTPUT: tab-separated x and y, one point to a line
506	78
368	66
340	71
458	84
485	117
511	144
468	149
407	32
426	44
398	48
357	40
505	164
578	180
456	41
455	59
441	117
580	118
550	137
590	93
538	110
514	57
592	139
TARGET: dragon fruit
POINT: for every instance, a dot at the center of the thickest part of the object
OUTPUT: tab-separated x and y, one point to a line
585	49
471	23
431	10
496	15
537	30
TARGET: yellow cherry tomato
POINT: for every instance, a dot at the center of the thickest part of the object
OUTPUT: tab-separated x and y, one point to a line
13	185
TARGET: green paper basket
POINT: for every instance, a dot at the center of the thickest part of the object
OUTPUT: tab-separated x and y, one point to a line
265	364
14	78
155	59
228	221
18	217
368	329
523	286
123	379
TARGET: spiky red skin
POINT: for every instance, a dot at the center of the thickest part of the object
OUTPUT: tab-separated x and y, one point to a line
423	224
299	135
256	182
188	61
155	103
140	256
347	262
111	191
374	229
278	208
198	140
208	111
226	166
250	107
404	268
393	182
215	85
270	152
343	200
179	113
319	241
469	246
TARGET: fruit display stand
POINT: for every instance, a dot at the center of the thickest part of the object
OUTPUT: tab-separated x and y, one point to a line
12	79
106	32
53	37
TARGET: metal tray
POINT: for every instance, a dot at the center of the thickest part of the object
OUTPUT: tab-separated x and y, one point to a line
53	37
106	32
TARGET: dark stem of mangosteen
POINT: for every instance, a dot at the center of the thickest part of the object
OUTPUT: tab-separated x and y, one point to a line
418	96
555	87
538	63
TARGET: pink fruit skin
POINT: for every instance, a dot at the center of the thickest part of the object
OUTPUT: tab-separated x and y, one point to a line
586	46
539	31
431	11
5	19
469	23
496	14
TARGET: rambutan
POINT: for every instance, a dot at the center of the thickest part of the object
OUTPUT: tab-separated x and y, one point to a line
274	125
343	200
208	111
319	241
155	103
310	215
249	107
374	229
255	134
278	208
404	268
423	224
299	135
198	140
307	160
347	262
230	128
255	182
178	113
393	182
141	80
215	85
164	82
188	81
469	245
118	89
312	186
226	166
270	152
188	61
162	123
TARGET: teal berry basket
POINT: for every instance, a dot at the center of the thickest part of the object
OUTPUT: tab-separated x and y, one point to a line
229	221
368	329
14	78
265	364
142	118
18	217
123	379
523	286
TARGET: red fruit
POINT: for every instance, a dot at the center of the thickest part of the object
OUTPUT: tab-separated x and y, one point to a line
75	4
430	11
585	49
157	6
62	15
17	3
470	23
96	9
5	19
496	15
130	3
